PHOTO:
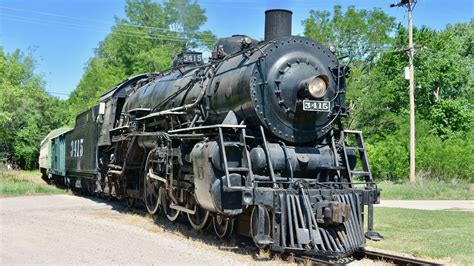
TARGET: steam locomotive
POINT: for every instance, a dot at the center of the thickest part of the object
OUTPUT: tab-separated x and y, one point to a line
251	141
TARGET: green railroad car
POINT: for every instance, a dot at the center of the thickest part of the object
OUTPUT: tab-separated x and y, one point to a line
50	154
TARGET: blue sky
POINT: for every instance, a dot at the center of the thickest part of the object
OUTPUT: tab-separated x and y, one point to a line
62	34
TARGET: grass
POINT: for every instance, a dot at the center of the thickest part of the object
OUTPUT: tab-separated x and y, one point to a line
427	190
445	235
16	183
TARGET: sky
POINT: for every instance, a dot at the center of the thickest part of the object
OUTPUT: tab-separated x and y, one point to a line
63	34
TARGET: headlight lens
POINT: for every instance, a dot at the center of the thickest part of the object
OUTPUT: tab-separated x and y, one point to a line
317	87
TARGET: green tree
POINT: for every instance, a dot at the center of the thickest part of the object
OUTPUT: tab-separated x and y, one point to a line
442	77
378	92
358	34
144	41
27	112
443	98
450	117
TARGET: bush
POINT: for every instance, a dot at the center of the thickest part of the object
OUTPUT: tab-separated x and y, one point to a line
448	159
451	158
389	159
389	156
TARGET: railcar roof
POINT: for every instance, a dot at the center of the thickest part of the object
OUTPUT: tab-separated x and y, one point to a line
54	133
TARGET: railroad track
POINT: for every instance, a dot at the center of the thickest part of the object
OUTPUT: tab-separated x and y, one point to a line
396	259
367	254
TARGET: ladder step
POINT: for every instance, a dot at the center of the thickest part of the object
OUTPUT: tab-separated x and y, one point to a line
238	169
353	132
360	173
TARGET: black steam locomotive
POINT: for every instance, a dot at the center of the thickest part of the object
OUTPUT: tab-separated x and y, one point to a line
251	140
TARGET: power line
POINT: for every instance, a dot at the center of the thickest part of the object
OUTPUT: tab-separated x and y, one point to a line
87	27
49	14
293	4
95	20
58	93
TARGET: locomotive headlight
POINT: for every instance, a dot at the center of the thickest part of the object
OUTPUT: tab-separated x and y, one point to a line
317	87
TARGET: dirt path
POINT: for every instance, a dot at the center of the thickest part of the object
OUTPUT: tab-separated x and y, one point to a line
454	205
67	229
64	229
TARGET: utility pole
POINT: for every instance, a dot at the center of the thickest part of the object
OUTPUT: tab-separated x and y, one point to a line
410	4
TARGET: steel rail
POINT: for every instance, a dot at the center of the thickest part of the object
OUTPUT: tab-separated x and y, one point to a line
396	259
366	254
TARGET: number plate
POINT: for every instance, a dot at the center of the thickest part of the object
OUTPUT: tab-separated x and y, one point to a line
318	106
192	58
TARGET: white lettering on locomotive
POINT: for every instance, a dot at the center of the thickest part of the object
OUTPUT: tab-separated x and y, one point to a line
323	106
77	148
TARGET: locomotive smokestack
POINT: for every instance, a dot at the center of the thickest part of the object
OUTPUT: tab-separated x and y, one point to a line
277	23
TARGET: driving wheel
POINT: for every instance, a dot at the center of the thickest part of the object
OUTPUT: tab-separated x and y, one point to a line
223	226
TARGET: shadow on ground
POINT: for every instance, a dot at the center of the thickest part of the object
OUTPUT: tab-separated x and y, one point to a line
235	243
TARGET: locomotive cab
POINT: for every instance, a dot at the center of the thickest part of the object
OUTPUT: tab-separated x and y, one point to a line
112	102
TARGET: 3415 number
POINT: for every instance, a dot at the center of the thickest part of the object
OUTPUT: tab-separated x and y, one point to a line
77	148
